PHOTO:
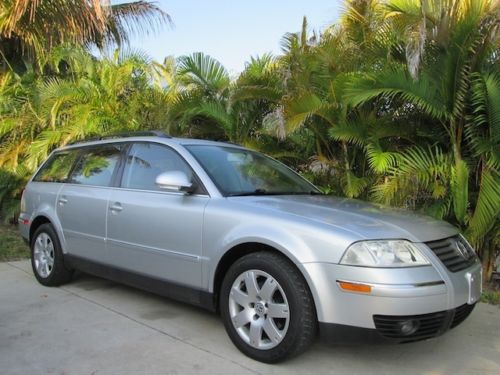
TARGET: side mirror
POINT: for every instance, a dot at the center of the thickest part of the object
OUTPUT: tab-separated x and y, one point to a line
174	181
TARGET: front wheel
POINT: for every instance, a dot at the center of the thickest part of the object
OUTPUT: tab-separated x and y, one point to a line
267	308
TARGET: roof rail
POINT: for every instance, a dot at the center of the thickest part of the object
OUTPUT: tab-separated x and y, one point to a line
145	133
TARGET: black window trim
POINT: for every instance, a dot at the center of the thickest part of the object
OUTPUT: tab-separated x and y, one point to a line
86	149
52	156
120	166
116	178
118	182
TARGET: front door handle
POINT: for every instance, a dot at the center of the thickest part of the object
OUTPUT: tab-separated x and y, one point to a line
116	207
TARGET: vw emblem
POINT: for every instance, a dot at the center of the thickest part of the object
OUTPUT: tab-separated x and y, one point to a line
259	308
462	250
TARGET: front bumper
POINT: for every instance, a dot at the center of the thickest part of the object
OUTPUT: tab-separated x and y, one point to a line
400	292
388	327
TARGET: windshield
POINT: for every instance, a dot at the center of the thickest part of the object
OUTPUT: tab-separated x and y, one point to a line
238	172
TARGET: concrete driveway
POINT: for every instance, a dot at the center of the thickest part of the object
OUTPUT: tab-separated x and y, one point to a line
93	326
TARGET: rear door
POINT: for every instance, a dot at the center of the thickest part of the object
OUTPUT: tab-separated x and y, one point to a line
82	202
41	193
151	231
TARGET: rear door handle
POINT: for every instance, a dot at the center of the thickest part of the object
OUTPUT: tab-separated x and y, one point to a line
116	207
63	200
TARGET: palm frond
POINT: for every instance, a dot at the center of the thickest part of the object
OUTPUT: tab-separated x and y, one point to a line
418	171
269	93
35	27
352	185
487	208
136	18
353	132
483	129
299	110
217	112
396	83
439	208
380	161
203	71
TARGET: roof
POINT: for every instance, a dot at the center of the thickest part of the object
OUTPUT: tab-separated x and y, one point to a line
140	137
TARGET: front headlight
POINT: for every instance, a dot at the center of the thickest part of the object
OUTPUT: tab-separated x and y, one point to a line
384	253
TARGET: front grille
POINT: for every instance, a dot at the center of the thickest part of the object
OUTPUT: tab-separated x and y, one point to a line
455	253
461	313
429	325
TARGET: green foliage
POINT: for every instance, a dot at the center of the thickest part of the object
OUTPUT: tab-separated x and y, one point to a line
394	82
84	98
12	247
201	72
491	296
398	103
11	184
30	28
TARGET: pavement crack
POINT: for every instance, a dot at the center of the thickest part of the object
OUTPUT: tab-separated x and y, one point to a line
19	268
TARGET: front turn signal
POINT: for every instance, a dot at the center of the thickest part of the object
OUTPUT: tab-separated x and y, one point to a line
354	287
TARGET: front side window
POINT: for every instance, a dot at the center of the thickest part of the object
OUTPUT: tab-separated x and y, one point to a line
57	168
145	161
238	171
97	165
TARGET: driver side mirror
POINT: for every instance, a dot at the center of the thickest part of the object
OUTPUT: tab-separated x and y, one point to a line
175	181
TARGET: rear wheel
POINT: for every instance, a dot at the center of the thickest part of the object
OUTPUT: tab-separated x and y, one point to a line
267	308
47	257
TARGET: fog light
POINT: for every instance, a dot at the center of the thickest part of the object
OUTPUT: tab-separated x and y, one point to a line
408	327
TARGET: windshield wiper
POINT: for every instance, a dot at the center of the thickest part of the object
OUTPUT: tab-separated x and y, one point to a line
314	192
254	192
311	192
265	192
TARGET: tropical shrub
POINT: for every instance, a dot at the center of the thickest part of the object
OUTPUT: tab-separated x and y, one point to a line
397	103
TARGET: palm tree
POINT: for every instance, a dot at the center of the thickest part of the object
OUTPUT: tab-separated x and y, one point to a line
209	104
84	97
316	70
452	79
30	29
400	99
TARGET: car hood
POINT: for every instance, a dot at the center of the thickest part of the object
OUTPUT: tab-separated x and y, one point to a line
366	220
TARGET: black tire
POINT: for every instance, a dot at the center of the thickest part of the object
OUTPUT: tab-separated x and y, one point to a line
302	324
59	274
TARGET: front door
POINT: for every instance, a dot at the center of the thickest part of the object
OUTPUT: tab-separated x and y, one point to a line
154	232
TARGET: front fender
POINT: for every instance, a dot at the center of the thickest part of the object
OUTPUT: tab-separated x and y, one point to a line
292	247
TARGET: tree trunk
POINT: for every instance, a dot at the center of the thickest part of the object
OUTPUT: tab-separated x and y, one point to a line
347	169
488	258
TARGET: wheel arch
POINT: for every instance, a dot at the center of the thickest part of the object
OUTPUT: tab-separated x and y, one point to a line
36	223
238	251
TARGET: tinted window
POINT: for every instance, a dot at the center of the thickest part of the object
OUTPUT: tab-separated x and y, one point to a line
243	172
96	166
57	168
145	161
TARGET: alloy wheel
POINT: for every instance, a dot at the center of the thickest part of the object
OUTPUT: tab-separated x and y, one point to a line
43	255
259	309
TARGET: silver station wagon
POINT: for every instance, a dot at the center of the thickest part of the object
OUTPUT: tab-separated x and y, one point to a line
234	231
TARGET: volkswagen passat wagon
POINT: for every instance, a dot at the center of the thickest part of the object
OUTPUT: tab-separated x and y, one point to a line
234	231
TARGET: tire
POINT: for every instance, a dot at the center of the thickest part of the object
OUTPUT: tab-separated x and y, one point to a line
47	257
273	320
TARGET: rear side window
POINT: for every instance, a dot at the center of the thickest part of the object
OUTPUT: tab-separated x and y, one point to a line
146	161
97	165
57	168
